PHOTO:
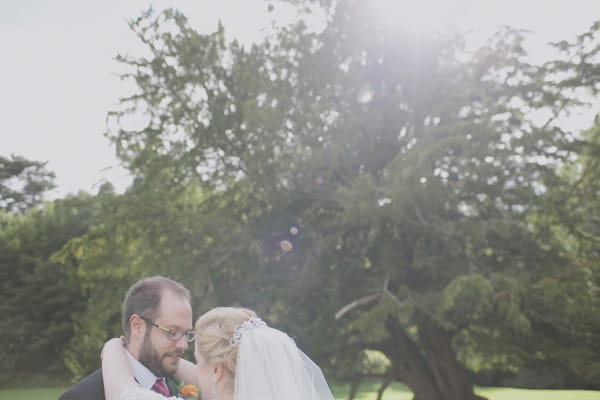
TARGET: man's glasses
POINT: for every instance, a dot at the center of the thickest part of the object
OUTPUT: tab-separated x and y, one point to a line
171	334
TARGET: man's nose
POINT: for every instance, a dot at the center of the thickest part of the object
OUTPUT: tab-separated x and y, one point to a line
182	343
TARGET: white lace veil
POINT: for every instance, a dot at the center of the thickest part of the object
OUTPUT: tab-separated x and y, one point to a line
271	367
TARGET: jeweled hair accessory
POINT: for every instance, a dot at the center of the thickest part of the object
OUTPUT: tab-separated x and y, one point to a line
252	323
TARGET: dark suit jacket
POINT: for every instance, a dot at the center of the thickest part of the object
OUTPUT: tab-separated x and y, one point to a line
92	388
89	388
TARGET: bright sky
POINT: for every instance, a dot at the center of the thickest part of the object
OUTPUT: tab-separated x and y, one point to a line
57	77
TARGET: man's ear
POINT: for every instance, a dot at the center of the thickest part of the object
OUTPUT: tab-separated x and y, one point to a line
137	326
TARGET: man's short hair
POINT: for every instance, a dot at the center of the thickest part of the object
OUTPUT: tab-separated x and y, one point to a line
143	299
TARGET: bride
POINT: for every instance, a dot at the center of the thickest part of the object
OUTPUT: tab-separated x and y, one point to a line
238	358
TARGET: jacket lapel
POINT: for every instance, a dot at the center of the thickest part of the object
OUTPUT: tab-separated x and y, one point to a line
173	386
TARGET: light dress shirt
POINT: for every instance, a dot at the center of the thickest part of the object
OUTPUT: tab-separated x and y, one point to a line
142	375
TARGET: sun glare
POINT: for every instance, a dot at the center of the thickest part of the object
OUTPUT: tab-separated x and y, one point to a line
417	16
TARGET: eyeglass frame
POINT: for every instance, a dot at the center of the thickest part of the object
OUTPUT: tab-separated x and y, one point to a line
190	335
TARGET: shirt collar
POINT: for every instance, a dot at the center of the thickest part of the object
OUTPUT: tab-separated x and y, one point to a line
142	375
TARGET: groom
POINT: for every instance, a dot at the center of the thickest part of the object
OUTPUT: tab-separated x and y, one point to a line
157	326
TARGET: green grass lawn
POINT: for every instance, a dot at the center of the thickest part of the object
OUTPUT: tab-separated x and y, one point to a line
31	394
367	391
397	391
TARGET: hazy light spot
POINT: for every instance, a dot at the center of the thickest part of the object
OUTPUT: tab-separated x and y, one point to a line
384	201
286	245
294	230
365	95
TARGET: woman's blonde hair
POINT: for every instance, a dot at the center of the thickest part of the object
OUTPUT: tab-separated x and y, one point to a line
214	330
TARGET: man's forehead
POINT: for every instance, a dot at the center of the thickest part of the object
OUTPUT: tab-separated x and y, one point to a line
174	307
168	295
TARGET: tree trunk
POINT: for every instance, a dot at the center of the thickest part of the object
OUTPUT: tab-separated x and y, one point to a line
451	378
403	351
386	382
354	386
434	374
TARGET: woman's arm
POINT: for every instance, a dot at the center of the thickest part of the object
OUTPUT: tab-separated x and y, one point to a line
186	372
116	371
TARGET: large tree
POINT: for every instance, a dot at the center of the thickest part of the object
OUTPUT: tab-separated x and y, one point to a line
393	174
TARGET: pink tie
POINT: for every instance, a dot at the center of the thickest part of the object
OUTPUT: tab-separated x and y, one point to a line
161	387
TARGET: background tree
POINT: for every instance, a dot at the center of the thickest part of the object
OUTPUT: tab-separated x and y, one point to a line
41	297
409	171
22	183
562	305
154	228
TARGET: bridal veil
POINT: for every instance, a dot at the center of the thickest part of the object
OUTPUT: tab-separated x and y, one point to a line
271	367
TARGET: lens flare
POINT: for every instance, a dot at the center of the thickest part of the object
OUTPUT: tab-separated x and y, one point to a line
286	245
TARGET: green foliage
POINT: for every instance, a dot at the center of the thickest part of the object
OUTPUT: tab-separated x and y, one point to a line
40	296
129	243
22	183
374	362
425	196
467	297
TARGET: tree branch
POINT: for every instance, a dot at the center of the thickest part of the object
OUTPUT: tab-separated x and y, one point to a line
356	303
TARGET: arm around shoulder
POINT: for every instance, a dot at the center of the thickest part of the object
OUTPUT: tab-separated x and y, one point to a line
116	371
119	383
186	372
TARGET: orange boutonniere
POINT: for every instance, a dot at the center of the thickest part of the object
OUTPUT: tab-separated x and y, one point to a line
188	392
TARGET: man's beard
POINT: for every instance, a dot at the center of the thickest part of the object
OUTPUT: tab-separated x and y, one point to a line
151	359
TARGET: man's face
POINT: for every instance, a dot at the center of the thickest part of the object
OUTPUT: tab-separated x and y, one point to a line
158	353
